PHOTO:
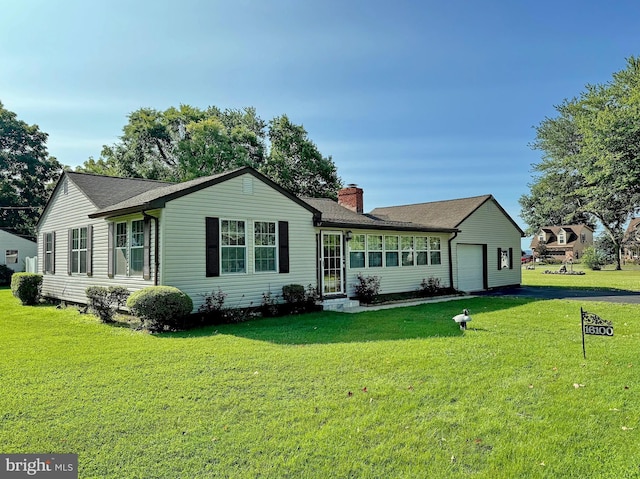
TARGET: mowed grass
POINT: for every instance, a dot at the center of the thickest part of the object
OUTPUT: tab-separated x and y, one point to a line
628	279
398	393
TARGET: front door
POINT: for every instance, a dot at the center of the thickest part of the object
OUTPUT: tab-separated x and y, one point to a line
332	261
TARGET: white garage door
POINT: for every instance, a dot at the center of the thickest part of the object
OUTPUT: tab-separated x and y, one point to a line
470	267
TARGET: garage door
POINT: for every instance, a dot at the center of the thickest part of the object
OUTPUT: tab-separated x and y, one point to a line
470	267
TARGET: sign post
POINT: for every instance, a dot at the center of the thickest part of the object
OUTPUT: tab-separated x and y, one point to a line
594	324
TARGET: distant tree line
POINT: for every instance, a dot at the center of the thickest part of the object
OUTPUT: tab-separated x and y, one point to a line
176	145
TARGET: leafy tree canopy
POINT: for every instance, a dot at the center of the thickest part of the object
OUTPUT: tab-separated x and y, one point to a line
590	168
26	174
184	143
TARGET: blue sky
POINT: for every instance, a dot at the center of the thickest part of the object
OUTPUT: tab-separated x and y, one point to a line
414	100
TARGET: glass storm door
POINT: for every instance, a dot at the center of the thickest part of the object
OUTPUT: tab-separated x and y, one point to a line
332	263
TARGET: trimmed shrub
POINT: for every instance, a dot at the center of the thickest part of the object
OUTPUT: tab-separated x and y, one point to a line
104	302
160	307
367	288
5	275
26	287
293	293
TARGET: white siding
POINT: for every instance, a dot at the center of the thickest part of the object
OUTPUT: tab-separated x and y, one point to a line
183	241
70	210
400	279
489	226
11	242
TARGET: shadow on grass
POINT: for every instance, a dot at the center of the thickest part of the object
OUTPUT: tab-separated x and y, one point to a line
565	292
401	323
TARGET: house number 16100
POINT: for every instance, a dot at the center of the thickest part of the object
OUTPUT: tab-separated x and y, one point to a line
598	330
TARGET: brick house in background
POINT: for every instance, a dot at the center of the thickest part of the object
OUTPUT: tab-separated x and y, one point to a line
563	243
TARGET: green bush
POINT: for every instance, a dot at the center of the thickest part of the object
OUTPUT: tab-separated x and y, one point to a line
26	287
104	302
5	275
293	293
368	288
160	307
592	258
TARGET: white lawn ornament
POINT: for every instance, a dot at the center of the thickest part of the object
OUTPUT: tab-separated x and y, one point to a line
462	319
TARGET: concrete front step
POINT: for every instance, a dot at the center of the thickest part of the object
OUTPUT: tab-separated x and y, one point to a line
339	304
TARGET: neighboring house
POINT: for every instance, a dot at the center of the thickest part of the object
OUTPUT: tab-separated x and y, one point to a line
244	234
631	242
564	243
484	250
14	249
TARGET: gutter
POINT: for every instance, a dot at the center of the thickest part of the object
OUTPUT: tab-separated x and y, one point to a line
156	246
451	258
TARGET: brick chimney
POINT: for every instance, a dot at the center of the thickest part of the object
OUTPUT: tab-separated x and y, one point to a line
351	197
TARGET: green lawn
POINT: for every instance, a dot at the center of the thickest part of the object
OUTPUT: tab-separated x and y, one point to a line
628	279
398	393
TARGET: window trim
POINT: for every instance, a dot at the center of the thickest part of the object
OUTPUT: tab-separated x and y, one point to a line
274	247
127	248
73	251
223	247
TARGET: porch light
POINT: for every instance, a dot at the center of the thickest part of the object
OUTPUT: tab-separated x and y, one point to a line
348	235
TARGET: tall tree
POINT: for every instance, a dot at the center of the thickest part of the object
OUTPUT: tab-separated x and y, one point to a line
296	163
183	143
591	158
26	173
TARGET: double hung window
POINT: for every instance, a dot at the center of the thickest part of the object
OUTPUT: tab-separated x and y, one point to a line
264	242
233	246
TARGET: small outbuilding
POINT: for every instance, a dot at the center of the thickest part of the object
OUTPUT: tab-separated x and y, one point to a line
15	249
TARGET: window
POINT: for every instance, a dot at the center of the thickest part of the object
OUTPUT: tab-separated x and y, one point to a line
541	236
233	246
561	238
264	246
11	256
121	252
356	251
49	260
391	251
583	238
374	245
129	248
505	258
136	262
422	250
406	243
79	250
435	250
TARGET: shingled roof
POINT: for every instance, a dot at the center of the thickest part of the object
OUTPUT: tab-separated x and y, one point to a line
335	215
446	214
156	194
105	191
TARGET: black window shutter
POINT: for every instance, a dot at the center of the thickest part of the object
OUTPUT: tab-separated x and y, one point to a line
510	258
283	246
89	250
110	252
69	250
212	240
146	262
499	259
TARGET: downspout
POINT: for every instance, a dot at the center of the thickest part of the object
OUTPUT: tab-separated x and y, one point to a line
451	259
156	245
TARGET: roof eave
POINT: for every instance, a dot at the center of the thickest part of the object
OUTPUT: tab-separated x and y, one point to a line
360	226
